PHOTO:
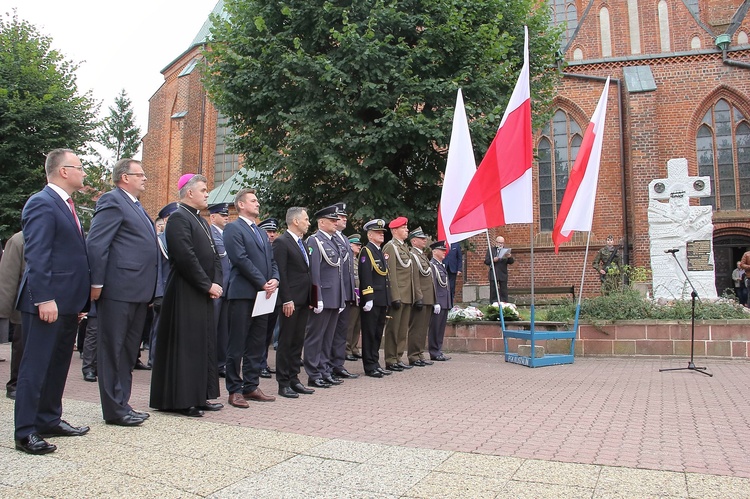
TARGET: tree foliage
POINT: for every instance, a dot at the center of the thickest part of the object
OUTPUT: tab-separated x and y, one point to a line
353	100
40	110
119	132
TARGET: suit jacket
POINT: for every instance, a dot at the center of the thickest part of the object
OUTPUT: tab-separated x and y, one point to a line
325	270
347	265
57	266
222	251
252	263
294	285
373	277
122	248
501	266
442	292
423	273
11	272
454	259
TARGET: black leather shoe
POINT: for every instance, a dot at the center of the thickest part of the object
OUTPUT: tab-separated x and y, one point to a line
265	373
222	373
138	414
140	366
384	372
11	394
64	429
90	377
211	406
345	374
318	383
332	380
271	370
34	444
417	363
374	374
287	392
300	388
394	367
126	420
351	358
358	356
426	362
441	358
403	366
191	412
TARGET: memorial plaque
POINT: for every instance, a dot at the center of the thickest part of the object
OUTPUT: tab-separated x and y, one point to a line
699	256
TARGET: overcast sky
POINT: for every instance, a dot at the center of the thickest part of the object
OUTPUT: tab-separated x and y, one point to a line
119	44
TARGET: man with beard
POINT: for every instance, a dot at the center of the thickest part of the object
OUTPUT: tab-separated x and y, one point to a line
185	376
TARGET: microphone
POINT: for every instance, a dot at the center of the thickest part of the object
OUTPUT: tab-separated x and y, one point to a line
673	251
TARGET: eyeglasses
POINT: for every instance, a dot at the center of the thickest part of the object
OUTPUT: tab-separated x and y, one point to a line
80	167
135	174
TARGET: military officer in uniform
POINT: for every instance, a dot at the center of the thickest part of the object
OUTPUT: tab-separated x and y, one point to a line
608	258
352	336
405	291
271	227
419	320
327	286
443	302
375	297
219	216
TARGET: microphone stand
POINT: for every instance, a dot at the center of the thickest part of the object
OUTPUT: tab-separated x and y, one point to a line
693	295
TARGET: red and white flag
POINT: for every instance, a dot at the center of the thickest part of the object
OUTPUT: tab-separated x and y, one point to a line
459	170
577	207
500	193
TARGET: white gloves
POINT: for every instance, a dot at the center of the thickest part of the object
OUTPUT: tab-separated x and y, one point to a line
341	309
368	306
436	310
319	308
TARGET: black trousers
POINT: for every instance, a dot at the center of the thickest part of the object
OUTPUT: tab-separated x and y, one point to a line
247	337
373	323
291	340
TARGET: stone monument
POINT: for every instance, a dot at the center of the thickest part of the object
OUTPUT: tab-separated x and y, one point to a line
674	224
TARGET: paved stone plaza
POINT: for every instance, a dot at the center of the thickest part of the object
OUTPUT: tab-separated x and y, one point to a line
471	427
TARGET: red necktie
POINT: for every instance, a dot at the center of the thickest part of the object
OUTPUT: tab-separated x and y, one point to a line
73	209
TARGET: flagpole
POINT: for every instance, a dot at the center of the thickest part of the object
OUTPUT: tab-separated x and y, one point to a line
533	308
580	289
494	280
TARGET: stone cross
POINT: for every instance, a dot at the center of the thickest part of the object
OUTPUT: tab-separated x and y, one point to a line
675	224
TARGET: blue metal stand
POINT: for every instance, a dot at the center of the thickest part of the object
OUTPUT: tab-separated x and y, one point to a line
534	336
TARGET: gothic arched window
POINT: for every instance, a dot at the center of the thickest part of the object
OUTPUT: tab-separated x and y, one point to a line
557	151
564	11
723	147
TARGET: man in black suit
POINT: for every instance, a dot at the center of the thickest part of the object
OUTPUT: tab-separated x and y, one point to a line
54	290
253	270
123	255
219	216
498	257
292	258
376	296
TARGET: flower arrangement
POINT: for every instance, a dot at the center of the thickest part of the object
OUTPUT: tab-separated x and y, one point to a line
510	312
491	313
458	314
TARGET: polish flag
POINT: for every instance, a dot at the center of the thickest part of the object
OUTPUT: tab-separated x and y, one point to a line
500	192
577	207
459	170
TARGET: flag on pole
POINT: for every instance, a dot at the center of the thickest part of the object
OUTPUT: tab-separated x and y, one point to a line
459	170
577	207
500	192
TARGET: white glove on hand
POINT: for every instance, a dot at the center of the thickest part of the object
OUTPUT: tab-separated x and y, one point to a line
319	308
368	306
341	309
436	310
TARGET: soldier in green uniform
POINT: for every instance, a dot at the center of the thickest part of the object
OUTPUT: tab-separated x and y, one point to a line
419	320
609	258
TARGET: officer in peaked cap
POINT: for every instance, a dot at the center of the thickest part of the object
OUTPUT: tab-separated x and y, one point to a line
352	334
419	319
219	209
219	216
375	297
405	291
271	226
443	302
330	212
167	210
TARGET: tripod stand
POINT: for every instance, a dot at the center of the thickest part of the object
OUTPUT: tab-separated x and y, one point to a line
693	295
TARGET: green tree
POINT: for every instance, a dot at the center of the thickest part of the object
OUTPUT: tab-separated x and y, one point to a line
118	132
40	110
353	100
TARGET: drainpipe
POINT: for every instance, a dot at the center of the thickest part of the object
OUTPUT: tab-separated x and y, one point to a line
722	43
625	242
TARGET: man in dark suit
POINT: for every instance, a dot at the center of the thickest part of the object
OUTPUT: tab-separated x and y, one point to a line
498	257
443	302
376	296
253	270
219	216
54	290
292	258
325	272
123	255
454	266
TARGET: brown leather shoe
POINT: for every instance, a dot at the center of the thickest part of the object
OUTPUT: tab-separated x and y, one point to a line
237	400
258	396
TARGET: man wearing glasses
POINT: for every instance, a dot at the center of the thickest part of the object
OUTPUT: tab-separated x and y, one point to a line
54	290
123	256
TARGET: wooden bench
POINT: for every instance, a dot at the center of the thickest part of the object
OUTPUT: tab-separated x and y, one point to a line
515	293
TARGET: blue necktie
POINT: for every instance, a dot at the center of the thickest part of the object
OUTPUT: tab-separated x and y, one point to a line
140	207
302	248
255	229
